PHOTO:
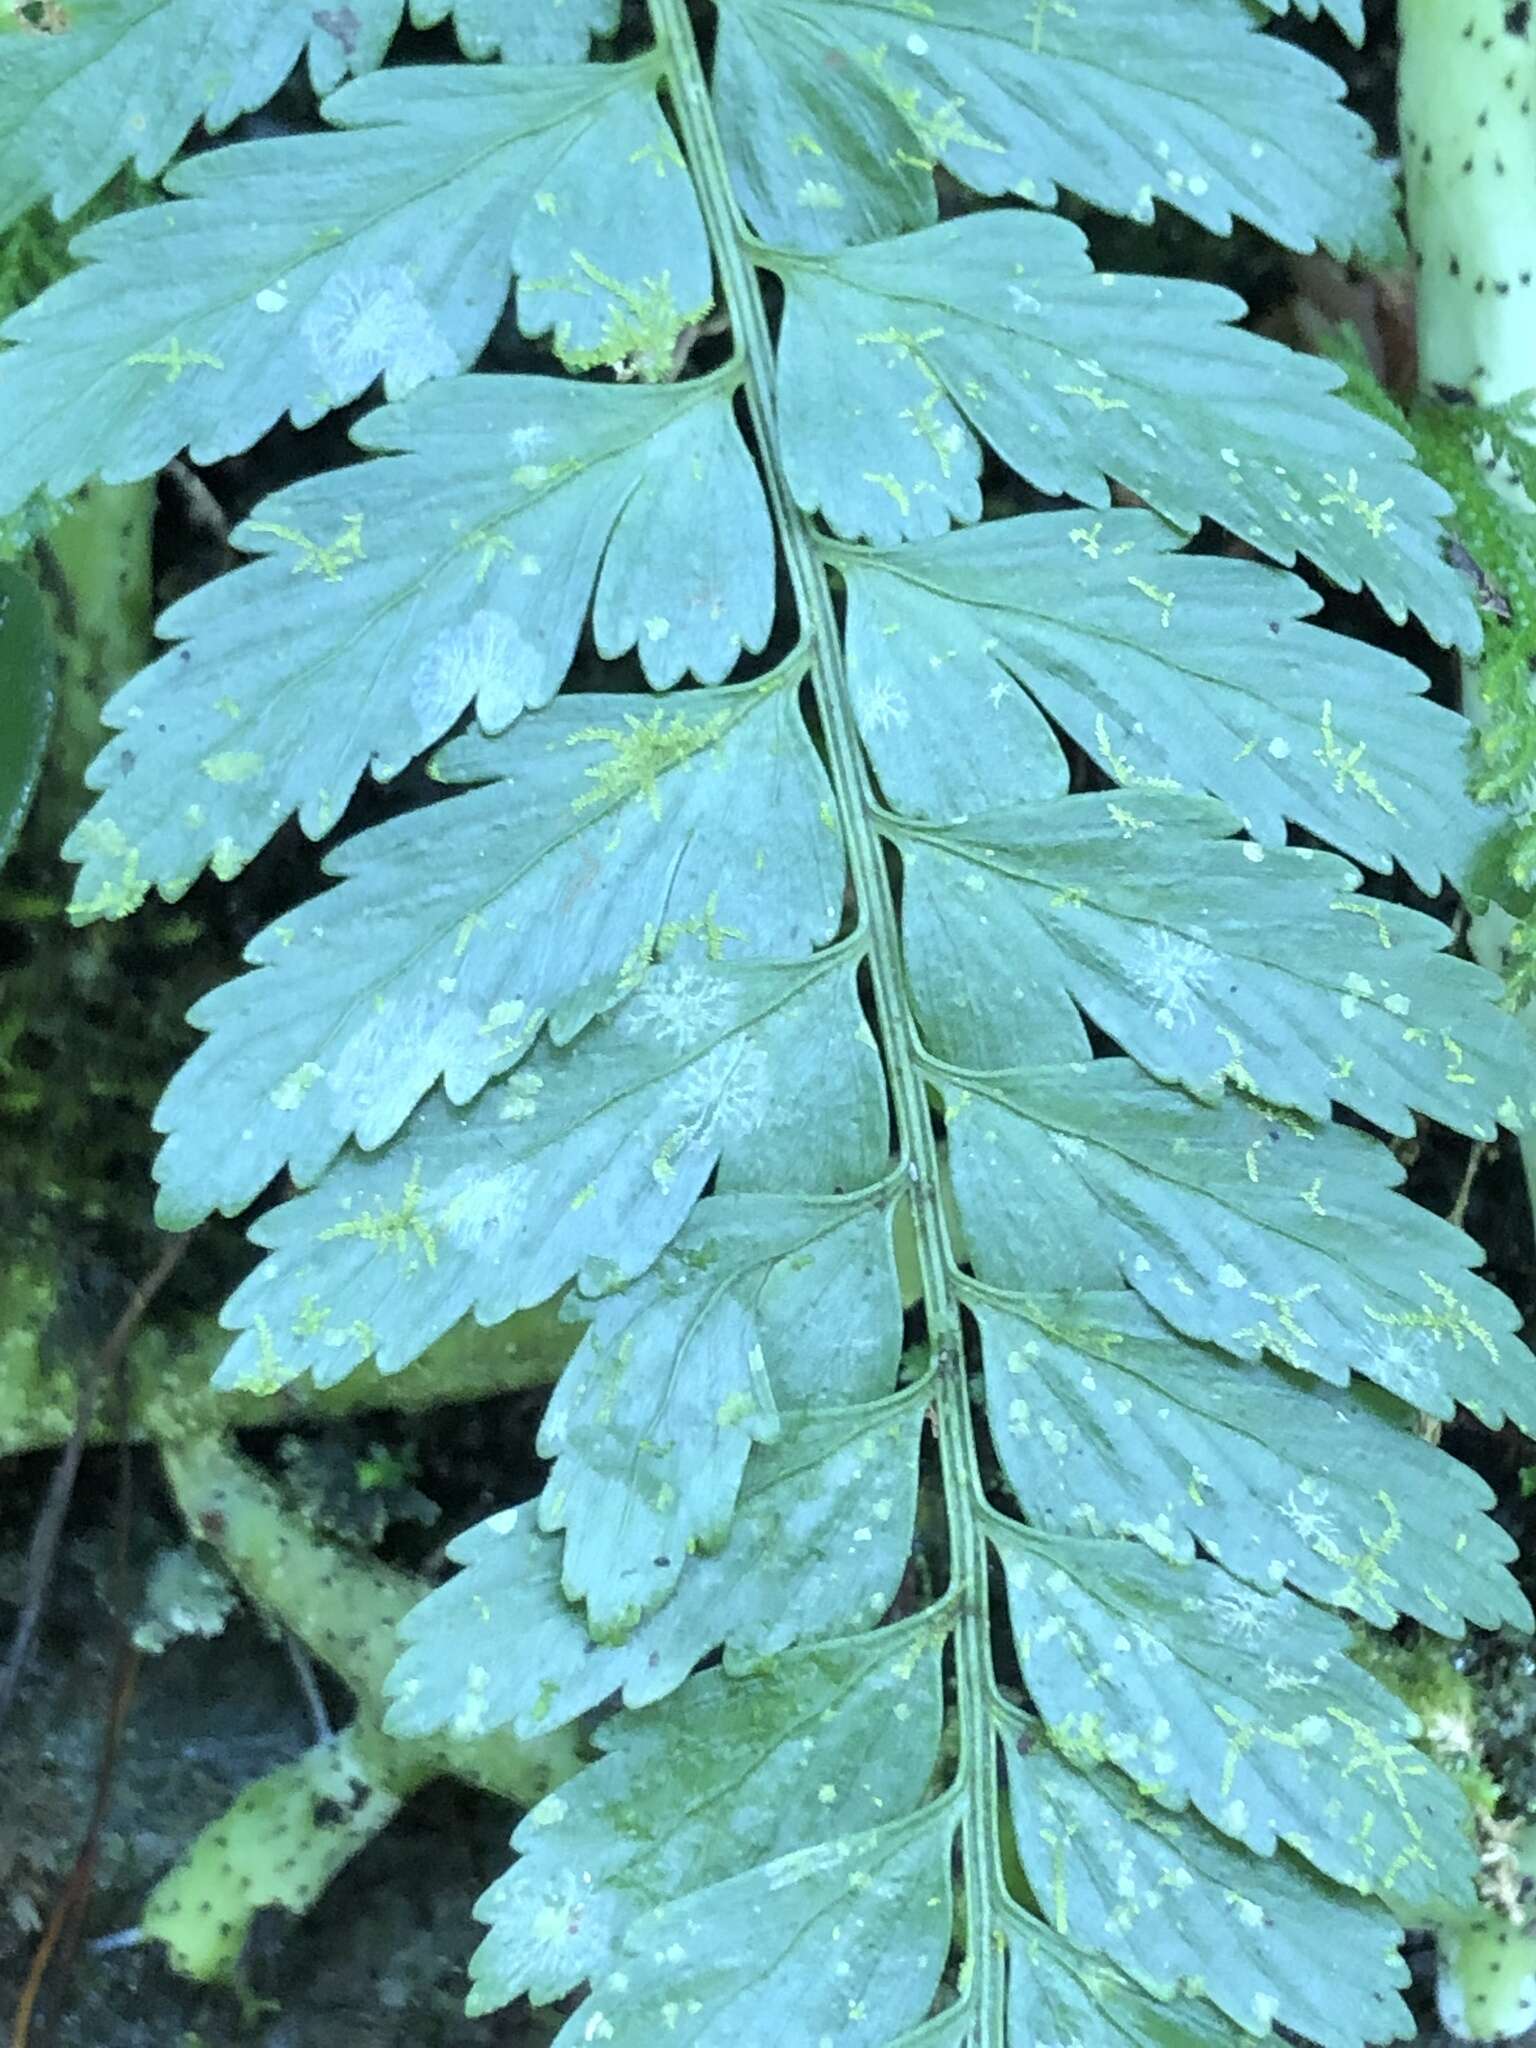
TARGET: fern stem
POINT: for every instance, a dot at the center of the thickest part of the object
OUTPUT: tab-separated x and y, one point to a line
1467	84
344	1607
169	1391
1466	92
730	241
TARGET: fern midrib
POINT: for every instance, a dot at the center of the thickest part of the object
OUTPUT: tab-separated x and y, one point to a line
976	1777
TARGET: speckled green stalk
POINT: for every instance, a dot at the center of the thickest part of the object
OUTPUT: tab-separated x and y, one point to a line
1467	113
1467	116
345	1609
93	554
95	567
1467	88
1485	1986
169	1378
279	1844
287	1835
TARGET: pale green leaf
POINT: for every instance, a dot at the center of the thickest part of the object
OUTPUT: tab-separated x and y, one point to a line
1057	1994
462	930
1181	1910
1171	670
395	596
653	1012
1106	1421
818	1546
680	1374
1210	961
585	1160
835	112
532	31
1244	1704
898	360
124	81
1243	1227
300	269
712	1967
1349	14
716	1781
955	2027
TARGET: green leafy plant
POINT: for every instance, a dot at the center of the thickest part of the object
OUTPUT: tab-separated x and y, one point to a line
883	977
26	697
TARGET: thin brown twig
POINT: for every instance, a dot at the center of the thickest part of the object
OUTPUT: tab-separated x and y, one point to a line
68	1917
43	1551
59	1946
204	511
61	1936
1480	1150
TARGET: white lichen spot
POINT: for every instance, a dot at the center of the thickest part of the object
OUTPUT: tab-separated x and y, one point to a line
1170	970
725	1094
273	298
881	706
477	1208
1244	1613
677	1006
372	322
486	661
1405	1363
1308	1519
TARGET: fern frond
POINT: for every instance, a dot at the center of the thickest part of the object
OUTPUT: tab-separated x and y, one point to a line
1232	695
895	358
1349	14
759	1022
281	283
548	500
834	116
112	82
